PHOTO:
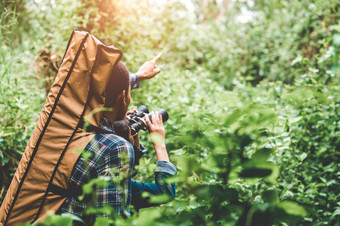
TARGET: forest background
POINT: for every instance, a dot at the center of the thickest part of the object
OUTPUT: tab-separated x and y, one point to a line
251	87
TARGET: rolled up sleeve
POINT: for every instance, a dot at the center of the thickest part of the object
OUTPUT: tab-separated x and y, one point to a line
134	81
166	167
160	187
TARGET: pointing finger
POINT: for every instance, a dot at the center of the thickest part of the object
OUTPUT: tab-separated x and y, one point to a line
154	60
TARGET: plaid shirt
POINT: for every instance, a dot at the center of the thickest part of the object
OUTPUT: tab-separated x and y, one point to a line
113	157
105	150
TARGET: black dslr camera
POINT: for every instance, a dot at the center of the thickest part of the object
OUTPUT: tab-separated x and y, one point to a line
137	119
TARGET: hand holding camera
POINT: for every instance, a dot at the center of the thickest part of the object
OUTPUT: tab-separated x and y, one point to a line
141	119
137	119
157	133
156	126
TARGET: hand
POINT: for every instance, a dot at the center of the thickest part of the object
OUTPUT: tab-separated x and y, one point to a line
149	69
156	126
129	112
157	133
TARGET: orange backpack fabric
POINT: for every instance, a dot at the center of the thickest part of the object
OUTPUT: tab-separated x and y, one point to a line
51	153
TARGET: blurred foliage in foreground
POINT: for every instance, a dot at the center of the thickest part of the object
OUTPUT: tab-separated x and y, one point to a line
254	104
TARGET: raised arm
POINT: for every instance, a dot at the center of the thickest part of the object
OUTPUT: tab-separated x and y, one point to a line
147	71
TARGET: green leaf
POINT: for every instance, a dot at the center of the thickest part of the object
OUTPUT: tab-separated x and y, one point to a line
147	216
58	220
262	154
292	208
72	216
87	188
102	221
157	199
296	119
303	156
336	39
270	196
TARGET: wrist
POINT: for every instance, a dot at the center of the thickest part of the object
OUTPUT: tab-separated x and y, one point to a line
157	138
161	153
140	75
159	147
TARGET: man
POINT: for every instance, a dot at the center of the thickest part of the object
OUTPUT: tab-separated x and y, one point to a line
113	157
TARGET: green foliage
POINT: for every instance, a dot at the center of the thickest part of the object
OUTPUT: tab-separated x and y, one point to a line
254	106
20	102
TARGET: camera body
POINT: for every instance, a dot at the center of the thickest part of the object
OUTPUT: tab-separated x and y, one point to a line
137	118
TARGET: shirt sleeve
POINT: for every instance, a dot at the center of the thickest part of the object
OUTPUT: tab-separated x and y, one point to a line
134	81
160	187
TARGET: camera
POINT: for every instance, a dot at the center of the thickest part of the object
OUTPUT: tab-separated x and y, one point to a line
135	122
137	119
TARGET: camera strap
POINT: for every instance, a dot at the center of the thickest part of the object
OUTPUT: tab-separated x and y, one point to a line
92	128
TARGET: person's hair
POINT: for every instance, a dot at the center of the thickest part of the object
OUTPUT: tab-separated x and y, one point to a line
122	128
119	80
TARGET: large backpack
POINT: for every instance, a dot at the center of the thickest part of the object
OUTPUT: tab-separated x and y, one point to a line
42	177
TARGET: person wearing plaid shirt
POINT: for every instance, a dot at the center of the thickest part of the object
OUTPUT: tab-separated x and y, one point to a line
113	158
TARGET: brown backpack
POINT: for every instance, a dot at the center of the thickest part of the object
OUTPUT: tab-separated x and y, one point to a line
45	168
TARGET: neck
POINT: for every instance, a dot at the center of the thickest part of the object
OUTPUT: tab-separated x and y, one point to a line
116	113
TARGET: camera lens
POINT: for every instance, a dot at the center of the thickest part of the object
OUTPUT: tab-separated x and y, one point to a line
162	112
